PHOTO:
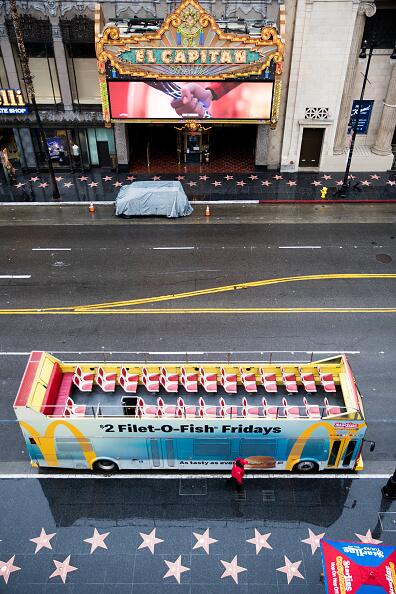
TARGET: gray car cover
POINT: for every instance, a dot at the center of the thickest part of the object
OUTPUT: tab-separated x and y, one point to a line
142	198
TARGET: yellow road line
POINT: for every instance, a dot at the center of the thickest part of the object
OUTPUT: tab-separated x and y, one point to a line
202	310
235	287
106	308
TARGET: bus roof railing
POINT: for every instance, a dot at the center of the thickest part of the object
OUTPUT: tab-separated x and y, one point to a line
197	412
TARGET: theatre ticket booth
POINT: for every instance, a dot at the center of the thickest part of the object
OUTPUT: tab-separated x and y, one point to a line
177	81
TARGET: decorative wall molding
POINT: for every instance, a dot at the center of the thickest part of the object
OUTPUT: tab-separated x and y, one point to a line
367	8
317	113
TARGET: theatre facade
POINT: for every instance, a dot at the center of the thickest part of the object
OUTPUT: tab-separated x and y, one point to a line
159	84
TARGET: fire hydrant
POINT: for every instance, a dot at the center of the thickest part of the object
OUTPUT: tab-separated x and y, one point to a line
323	193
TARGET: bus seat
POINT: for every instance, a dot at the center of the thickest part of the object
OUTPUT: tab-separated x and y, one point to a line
144	410
128	381
327	381
228	381
189	380
167	410
249	411
169	379
312	410
186	411
289	380
107	381
208	380
290	411
269	411
331	410
308	380
248	380
268	380
83	379
227	410
206	411
74	410
150	380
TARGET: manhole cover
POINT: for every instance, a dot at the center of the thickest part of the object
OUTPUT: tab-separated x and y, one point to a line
384	258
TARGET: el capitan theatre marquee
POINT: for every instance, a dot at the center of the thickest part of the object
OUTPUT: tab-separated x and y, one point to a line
188	69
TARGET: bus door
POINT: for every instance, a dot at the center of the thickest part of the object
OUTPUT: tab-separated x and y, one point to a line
161	453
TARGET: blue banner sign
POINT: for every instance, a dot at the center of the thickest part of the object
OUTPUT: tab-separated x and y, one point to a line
364	116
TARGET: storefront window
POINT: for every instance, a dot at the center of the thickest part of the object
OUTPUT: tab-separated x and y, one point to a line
3	74
101	146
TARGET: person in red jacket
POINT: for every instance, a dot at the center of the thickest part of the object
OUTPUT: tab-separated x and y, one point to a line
238	472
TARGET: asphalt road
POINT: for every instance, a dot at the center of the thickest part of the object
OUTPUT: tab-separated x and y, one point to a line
112	264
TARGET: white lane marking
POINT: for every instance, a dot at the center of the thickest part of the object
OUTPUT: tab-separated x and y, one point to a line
300	247
15	276
188	247
51	249
290	476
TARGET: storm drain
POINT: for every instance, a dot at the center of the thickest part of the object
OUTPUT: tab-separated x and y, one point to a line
193	487
387	521
268	496
384	258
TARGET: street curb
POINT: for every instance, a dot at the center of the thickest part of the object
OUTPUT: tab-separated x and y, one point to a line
200	202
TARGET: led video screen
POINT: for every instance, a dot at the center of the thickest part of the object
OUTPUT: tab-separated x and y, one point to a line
170	100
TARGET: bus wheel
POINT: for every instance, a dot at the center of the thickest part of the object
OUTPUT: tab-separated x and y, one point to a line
306	466
105	465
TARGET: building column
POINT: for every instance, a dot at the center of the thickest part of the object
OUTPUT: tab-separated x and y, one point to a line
386	129
366	9
61	66
25	146
122	146
8	57
262	139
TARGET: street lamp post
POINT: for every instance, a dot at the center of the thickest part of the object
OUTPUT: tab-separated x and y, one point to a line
27	77
343	192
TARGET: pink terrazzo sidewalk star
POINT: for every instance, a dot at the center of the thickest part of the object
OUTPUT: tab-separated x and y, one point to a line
204	177
43	541
241	183
291	183
216	183
97	541
63	568
291	569
130	178
260	541
203	541
93	184
266	183
313	540
368	538
68	184
43	185
149	540
107	178
316	183
117	184
228	177
175	569
277	177
232	569
8	567
83	178
156	178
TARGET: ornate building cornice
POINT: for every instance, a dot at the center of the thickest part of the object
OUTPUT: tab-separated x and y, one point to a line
367	8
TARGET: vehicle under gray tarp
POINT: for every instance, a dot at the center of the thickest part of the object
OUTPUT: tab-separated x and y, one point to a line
160	198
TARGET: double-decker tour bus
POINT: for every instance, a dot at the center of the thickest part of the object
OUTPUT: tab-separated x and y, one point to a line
110	416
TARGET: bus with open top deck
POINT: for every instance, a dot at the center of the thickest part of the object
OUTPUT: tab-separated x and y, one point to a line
191	415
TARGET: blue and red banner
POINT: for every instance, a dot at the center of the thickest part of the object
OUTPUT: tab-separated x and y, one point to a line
358	568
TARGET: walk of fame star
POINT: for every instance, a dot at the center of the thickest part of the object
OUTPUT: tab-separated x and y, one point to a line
266	183
204	177
241	183
368	538
291	183
375	176
277	177
156	177
8	567
175	569
316	183
260	540
62	569
203	541
83	178
228	177
107	178
232	569
313	540
43	541
43	185
117	184
97	540
93	184
34	179
68	184
149	540
291	569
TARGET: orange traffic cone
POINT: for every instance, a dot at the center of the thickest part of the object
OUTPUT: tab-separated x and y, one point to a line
91	207
207	211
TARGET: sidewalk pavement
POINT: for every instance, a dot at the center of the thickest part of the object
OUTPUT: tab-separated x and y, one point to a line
270	186
190	536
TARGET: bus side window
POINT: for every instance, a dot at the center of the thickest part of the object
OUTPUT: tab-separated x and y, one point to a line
212	448
256	447
334	453
349	453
